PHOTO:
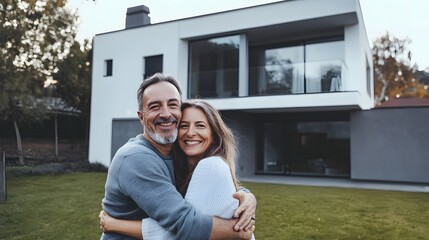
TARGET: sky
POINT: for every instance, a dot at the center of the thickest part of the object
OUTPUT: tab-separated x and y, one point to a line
402	18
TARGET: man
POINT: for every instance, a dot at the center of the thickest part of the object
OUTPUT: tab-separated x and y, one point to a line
140	181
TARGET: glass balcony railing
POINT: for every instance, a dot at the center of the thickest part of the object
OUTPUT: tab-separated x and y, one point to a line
214	84
325	76
296	78
277	79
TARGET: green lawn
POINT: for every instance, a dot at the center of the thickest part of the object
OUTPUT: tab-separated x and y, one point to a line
298	212
62	206
66	206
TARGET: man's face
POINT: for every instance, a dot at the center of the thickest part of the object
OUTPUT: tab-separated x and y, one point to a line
161	112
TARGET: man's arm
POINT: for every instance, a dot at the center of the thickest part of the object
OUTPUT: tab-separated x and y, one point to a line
223	229
146	179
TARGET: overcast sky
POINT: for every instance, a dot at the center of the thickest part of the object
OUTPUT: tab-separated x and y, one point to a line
402	18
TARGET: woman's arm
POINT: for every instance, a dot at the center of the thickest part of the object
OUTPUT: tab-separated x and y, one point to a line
132	228
211	191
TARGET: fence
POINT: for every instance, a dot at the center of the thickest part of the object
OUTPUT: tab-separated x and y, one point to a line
2	177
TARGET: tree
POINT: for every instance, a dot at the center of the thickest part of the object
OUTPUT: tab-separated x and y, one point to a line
393	75
74	80
34	36
423	78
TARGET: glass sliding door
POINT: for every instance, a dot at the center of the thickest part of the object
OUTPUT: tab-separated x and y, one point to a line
323	149
314	148
274	152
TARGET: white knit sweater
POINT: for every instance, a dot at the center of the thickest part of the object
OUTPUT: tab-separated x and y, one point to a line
210	191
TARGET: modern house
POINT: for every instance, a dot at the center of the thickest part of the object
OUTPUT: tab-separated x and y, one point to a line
293	79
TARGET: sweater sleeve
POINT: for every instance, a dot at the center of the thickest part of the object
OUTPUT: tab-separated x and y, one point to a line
145	178
152	230
211	188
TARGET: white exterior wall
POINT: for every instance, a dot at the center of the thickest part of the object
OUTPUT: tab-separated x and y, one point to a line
357	54
264	15
368	102
115	96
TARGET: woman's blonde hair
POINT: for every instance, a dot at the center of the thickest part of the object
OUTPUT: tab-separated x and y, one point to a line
224	143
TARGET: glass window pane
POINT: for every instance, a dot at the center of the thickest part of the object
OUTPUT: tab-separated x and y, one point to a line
324	67
214	67
325	148
152	65
274	148
277	71
306	148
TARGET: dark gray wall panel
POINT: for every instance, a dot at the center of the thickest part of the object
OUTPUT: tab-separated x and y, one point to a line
122	131
243	127
390	145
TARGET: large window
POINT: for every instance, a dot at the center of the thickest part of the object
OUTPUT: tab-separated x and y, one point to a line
320	148
307	68
213	68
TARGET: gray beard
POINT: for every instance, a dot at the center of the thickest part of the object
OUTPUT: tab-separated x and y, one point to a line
162	140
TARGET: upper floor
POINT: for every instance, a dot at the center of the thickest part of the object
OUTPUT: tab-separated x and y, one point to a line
285	55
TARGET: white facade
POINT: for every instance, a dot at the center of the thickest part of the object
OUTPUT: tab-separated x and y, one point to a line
114	97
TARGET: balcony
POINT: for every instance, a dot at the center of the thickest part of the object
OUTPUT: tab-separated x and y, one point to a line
286	77
279	87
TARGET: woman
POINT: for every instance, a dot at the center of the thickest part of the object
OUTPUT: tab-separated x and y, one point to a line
204	165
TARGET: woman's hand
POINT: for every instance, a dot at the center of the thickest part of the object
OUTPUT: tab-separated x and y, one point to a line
106	221
132	228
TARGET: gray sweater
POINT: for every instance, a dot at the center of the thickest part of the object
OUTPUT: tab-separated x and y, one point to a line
140	184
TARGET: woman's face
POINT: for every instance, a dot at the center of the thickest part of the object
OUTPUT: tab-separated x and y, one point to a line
195	134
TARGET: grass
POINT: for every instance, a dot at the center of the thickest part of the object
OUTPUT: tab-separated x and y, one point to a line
298	212
66	206
62	206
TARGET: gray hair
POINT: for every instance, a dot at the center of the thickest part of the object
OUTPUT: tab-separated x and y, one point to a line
155	78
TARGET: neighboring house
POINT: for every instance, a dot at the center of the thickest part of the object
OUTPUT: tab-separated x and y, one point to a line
293	79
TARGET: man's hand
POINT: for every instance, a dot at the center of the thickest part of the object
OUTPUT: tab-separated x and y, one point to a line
247	234
222	229
246	211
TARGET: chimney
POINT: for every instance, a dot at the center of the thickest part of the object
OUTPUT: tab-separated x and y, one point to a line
137	17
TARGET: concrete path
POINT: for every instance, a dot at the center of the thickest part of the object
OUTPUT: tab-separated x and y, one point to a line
337	182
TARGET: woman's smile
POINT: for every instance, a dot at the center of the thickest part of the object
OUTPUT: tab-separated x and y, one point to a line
195	134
